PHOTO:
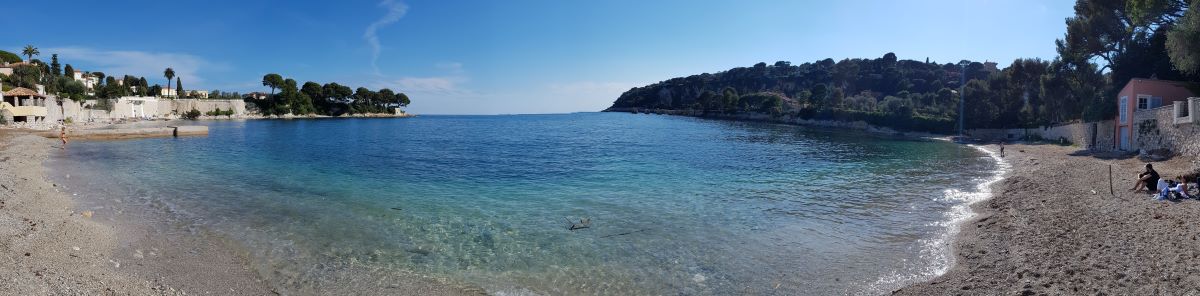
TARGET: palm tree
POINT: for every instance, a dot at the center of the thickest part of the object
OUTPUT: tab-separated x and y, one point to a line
169	73
29	52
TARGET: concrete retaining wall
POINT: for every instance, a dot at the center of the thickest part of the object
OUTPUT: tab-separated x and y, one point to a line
1091	135
138	107
1156	129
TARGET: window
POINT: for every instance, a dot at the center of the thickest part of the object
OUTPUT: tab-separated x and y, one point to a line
1124	110
1143	103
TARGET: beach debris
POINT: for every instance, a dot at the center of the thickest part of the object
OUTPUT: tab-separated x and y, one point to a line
87	214
583	223
75	248
397	208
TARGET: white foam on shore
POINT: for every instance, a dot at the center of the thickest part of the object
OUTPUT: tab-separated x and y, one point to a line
939	250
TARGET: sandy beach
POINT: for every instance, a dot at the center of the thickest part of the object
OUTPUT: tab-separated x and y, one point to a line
51	246
1053	228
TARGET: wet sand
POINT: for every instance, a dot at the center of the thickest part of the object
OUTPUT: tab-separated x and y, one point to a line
1053	228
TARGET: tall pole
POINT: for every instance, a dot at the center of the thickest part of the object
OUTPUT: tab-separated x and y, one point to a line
962	93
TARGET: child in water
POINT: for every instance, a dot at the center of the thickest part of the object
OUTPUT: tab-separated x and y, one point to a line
62	134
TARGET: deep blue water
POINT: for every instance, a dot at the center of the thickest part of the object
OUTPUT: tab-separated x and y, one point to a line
677	205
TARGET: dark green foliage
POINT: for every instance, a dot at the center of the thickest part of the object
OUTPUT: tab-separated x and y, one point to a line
169	74
1183	42
1029	92
330	99
224	95
144	88
273	81
26	76
71	89
192	115
54	66
219	112
154	89
8	57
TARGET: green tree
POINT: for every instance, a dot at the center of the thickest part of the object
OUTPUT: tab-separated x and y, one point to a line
178	87
273	81
1183	42
316	97
8	57
154	89
30	51
820	95
26	76
169	74
71	89
55	68
730	97
402	100
69	71
143	87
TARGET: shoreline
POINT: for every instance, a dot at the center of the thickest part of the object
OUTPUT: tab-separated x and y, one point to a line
54	246
80	246
1051	227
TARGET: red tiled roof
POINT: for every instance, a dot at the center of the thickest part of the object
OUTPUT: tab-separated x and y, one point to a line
22	92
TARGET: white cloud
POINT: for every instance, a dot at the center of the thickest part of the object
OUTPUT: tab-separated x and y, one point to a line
428	84
394	11
449	83
137	63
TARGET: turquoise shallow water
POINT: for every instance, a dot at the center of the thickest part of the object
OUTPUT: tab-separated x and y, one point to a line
677	205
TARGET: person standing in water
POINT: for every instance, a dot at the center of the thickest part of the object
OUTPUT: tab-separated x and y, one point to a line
62	134
1001	149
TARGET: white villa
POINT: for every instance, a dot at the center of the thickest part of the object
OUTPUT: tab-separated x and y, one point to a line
89	81
167	92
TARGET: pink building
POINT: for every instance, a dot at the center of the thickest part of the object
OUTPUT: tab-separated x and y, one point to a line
1144	94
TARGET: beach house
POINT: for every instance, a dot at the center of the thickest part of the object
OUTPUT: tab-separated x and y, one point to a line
1141	95
89	81
25	105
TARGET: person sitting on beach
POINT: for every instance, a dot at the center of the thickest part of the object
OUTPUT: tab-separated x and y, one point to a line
1164	192
1180	190
1147	180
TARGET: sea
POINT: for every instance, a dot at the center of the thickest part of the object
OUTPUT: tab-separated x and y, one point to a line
561	204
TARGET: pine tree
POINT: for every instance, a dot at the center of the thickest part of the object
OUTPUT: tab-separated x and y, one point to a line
54	66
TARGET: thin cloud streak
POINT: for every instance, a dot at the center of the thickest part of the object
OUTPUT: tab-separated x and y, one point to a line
395	11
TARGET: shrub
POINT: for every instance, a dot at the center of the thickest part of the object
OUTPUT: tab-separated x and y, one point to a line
192	114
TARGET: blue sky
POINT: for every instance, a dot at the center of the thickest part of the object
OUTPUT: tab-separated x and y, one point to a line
506	57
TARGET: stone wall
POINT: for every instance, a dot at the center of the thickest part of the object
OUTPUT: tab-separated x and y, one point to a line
1156	129
123	109
1091	135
